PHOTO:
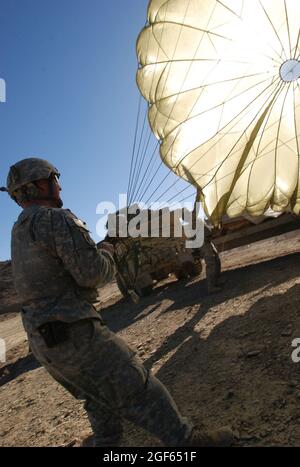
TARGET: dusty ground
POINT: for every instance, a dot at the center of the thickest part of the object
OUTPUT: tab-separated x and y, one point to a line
9	303
226	359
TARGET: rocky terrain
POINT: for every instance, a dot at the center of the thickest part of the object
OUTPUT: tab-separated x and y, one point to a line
225	358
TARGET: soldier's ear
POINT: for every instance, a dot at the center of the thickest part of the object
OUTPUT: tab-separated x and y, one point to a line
42	185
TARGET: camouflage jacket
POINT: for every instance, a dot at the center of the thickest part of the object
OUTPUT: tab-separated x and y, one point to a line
56	266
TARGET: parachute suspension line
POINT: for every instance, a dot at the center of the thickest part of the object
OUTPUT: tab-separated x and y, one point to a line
171	202
151	162
134	145
177	96
231	153
156	172
187	199
182	84
157	200
158	168
182	200
131	194
164	88
137	161
160	184
142	160
135	174
168	189
243	126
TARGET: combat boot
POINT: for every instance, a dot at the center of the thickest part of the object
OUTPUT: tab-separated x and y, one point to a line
223	437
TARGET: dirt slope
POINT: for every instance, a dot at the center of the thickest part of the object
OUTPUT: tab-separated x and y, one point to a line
9	303
225	358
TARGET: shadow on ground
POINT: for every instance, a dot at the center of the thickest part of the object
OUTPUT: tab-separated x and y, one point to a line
242	374
17	368
183	294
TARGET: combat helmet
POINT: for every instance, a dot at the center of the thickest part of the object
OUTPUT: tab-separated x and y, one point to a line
27	171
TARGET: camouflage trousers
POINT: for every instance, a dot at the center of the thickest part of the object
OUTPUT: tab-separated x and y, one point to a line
213	264
95	365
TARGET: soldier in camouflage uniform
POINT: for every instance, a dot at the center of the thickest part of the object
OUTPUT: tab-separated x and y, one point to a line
57	268
209	253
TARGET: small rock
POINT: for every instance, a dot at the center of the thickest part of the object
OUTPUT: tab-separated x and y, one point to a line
71	443
253	353
248	437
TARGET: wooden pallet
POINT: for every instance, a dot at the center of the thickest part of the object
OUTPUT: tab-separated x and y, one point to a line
254	233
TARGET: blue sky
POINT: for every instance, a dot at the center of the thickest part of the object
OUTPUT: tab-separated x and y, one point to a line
71	97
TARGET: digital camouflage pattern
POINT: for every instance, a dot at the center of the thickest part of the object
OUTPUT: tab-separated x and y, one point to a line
57	268
210	254
97	366
213	265
27	171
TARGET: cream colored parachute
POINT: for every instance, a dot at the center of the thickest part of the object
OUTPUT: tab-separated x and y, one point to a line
222	79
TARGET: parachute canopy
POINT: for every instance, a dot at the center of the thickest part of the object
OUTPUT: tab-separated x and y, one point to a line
222	79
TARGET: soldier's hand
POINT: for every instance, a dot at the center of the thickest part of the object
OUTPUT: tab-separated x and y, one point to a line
107	247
